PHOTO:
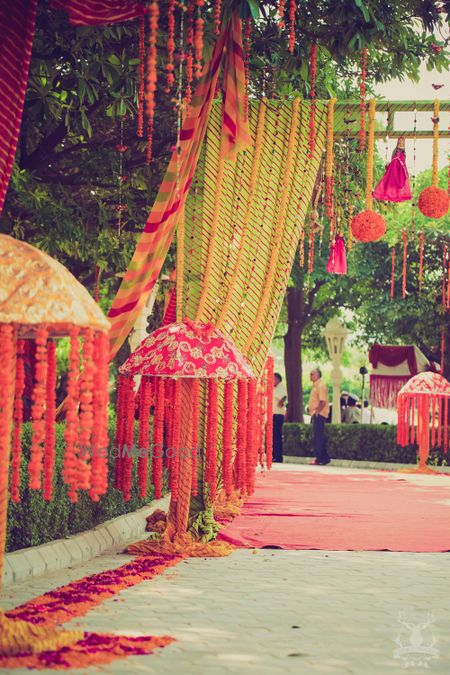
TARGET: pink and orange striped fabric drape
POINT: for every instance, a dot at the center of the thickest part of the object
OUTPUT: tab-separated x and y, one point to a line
159	230
17	21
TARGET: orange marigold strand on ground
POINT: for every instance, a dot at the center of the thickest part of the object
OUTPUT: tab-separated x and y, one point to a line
16	451
250	449
37	411
71	430
50	413
158	437
211	438
194	435
240	463
86	416
227	438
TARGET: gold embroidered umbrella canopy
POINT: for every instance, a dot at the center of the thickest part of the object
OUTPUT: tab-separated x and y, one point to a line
41	301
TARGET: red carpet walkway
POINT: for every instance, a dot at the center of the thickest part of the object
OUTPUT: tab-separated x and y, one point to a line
342	510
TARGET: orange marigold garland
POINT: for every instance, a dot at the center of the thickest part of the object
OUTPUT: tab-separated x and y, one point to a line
421	247
158	437
241	453
153	19
86	416
368	225
329	159
312	95
141	77
194	435
227	438
37	411
120	428
145	392
247	48
444	273
434	202
292	12
71	430
217	13
281	11
392	272
50	412
16	451
198	38
405	262
7	340
127	450
175	441
100	439
269	408
251	432
362	96
189	51
170	67
211	438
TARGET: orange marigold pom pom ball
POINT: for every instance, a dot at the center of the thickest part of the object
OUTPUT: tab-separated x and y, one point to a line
368	226
434	202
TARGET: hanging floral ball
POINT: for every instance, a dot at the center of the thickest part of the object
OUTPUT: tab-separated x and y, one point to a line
434	202
368	226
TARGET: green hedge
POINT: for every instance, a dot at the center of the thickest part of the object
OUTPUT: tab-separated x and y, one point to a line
363	442
35	521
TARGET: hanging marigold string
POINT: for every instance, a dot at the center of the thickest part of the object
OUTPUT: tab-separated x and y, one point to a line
241	452
292	12
170	66
16	451
211	439
227	438
421	247
301	248
251	432
141	77
217	15
392	272
100	439
247	49
198	39
189	52
405	260
312	96
158	437
444	274
362	97
448	282
37	410
280	11
86	412
176	438
120	429
269	409
194	435
434	202
96	283
127	449
50	413
153	19
145	393
311	248
71	431
329	159
442	350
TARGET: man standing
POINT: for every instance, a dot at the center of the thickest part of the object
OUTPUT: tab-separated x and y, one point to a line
319	409
279	401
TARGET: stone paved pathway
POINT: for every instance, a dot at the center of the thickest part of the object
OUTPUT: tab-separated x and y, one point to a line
275	612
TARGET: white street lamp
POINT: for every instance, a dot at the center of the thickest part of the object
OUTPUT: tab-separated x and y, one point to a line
335	334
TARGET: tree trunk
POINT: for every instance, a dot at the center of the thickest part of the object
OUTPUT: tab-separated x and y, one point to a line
293	353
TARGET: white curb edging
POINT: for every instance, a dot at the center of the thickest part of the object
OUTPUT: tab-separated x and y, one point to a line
55	555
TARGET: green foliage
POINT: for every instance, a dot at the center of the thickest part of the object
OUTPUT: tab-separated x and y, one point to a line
358	442
34	521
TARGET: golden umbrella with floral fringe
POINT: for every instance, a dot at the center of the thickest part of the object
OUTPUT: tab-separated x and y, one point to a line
41	301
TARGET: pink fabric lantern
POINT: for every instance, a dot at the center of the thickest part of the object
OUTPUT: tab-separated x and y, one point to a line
337	262
394	186
423	415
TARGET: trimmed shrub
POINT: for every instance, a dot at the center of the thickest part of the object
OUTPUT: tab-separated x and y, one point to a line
35	521
363	442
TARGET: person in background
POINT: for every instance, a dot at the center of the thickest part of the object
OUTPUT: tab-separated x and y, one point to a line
279	404
318	409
